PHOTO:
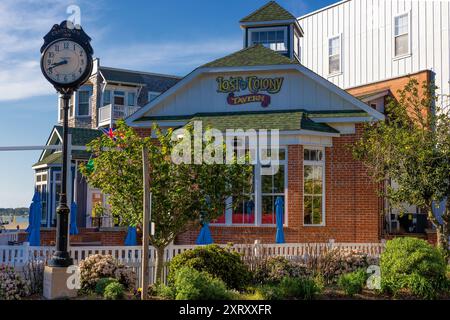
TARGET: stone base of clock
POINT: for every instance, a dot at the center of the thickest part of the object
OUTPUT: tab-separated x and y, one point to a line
58	283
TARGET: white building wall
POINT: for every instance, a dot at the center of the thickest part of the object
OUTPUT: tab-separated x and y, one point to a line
367	47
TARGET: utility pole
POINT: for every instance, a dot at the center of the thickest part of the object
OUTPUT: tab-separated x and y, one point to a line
145	224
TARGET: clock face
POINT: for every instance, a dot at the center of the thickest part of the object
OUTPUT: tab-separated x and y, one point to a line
65	62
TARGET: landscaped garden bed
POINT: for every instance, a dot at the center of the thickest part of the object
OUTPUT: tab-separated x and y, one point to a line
409	269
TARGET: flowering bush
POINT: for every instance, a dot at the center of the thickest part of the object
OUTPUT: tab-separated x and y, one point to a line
12	286
99	266
274	269
340	261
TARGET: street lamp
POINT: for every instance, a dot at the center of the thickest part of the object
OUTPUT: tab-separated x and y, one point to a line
66	62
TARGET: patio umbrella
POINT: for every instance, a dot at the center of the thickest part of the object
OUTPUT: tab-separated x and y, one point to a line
131	238
279	211
73	219
34	236
204	237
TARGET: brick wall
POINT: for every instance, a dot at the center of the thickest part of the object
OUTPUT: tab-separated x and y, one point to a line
353	208
87	236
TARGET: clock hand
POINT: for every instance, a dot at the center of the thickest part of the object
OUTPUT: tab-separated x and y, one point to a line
57	64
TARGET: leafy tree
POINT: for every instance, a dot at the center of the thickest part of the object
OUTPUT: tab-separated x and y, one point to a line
412	148
182	193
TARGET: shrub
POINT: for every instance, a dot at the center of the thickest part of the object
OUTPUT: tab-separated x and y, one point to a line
114	291
289	288
102	284
191	284
33	273
274	269
353	283
98	266
412	265
340	261
12	286
217	261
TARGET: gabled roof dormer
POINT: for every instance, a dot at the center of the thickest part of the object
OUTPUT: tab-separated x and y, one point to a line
273	27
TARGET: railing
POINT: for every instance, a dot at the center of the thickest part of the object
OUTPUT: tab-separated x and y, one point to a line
18	256
6	237
112	112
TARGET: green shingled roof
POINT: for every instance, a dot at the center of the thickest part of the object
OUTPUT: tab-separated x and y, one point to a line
281	120
338	114
257	55
80	136
54	158
271	11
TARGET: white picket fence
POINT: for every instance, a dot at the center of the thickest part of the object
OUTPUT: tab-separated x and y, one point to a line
18	256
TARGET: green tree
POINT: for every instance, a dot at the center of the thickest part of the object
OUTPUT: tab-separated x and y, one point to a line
412	148
182	193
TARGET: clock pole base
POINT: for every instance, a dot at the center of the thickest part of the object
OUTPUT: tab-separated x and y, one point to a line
58	284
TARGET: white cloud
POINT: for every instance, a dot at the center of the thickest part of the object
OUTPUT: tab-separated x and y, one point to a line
23	23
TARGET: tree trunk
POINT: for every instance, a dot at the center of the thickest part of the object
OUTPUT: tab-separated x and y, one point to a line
159	268
442	233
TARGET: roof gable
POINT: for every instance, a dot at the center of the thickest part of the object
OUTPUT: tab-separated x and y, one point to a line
271	11
257	55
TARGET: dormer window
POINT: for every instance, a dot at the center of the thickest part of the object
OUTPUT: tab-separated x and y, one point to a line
273	38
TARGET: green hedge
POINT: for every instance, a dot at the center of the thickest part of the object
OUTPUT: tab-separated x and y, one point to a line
217	261
414	266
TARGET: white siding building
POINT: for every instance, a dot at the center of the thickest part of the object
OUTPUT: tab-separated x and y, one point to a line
356	42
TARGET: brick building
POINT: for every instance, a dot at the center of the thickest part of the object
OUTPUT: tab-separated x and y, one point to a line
327	194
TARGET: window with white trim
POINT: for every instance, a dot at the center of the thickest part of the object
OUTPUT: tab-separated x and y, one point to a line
84	97
41	187
265	191
131	99
401	35
313	187
334	55
273	38
106	97
272	187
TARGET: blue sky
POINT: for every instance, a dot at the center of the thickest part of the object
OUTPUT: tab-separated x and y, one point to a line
167	36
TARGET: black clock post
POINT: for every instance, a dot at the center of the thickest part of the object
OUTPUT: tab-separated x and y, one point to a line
66	62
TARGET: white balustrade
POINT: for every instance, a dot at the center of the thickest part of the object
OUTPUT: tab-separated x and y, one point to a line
112	112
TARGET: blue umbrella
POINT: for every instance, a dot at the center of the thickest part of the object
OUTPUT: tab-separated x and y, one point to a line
34	236
204	237
279	211
73	219
131	237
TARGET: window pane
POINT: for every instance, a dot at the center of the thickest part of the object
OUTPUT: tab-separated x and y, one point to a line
317	180
268	210
278	180
317	210
272	36
266	183
401	24
280	36
255	37
119	100
307	210
244	213
131	98
106	97
334	46
334	64
401	45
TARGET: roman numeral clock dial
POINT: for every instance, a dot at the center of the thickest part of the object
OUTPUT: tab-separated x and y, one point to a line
64	62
